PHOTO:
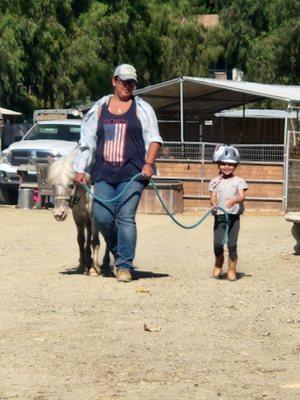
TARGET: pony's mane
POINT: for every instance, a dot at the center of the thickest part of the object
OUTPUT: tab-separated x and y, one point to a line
61	171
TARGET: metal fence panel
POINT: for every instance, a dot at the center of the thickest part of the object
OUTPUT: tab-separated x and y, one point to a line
202	151
293	172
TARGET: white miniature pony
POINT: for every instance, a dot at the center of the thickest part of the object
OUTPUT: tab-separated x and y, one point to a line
60	176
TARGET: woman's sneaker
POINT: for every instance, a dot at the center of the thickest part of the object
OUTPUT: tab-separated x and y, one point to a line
124	275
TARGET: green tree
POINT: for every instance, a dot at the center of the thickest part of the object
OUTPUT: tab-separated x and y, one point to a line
12	65
261	38
57	53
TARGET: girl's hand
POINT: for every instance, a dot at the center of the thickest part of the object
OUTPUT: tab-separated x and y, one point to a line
213	203
213	210
147	171
230	203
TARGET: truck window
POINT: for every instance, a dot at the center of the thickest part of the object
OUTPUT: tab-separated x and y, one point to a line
69	133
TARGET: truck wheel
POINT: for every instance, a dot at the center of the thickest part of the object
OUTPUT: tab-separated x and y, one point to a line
13	196
4	196
8	196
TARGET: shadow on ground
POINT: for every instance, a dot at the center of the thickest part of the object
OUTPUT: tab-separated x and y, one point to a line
147	274
239	275
72	271
108	273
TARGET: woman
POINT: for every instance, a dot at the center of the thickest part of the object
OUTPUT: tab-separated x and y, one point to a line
119	138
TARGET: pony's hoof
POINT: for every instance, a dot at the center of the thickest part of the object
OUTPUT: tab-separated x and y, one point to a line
107	272
80	270
96	268
93	272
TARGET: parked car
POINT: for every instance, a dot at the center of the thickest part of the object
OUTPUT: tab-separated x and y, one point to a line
53	138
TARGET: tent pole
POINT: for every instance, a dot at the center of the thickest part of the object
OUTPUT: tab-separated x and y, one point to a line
181	113
243	122
1	129
285	163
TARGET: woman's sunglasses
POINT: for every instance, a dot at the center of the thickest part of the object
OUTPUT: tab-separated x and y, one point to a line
127	83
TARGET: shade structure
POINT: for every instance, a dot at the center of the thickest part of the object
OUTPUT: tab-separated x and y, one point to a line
202	97
257	114
5	111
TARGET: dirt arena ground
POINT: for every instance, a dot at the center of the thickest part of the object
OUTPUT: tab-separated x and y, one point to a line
68	336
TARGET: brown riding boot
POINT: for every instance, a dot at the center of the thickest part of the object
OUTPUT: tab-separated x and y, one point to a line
231	273
216	273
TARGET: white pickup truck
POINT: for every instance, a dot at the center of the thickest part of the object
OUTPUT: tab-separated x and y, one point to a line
53	138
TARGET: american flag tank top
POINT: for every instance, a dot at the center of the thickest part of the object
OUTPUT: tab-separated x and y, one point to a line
115	130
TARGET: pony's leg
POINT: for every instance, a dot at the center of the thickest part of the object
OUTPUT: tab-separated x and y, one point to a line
95	250
105	267
81	241
87	248
80	225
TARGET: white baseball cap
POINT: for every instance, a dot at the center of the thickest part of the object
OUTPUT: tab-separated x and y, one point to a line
126	72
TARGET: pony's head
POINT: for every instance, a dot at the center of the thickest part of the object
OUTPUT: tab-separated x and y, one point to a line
60	176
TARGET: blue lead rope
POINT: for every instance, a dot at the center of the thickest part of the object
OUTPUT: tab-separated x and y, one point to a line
153	184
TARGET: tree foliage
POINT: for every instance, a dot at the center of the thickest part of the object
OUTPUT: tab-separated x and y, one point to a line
57	53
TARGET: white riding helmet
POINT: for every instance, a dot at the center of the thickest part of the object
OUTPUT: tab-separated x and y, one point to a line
224	153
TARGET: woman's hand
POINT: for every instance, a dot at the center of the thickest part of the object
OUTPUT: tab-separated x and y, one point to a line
79	178
147	171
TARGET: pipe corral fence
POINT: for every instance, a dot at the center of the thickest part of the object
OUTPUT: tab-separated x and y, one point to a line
262	166
270	171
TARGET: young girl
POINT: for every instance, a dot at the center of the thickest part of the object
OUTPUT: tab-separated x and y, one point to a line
228	192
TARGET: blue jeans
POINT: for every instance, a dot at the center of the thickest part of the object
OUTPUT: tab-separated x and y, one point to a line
116	220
